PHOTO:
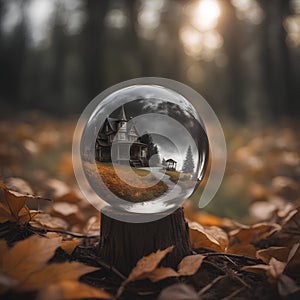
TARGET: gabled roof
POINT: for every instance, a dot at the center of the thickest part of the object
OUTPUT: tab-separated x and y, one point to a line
171	160
132	128
112	123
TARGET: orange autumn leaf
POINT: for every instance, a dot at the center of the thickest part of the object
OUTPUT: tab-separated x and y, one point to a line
242	249
254	233
147	264
162	273
52	273
13	206
190	264
71	289
280	253
29	255
26	264
69	246
207	238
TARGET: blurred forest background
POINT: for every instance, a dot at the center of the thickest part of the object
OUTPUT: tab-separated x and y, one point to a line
243	56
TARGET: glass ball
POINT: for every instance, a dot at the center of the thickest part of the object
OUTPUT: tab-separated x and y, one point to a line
143	151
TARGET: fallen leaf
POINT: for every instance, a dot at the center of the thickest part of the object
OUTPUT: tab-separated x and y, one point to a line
72	290
65	208
69	246
202	239
3	247
254	233
287	285
70	197
276	267
280	253
179	291
242	249
12	206
58	187
219	234
190	264
257	269
147	264
69	212
43	220
53	273
204	218
19	185
29	255
273	270
187	267
293	261
162	273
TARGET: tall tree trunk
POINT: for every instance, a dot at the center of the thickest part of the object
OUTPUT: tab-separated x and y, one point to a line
276	57
93	46
229	29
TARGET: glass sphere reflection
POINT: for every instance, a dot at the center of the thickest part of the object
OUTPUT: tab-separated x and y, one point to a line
150	149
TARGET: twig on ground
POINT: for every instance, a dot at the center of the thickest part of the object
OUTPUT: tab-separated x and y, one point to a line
233	294
107	266
74	234
256	260
206	288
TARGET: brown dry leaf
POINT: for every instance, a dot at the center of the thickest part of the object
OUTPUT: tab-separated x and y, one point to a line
18	185
287	285
254	233
201	217
65	208
53	273
243	249
3	248
190	264
46	221
187	267
12	206
219	234
257	269
70	197
29	255
69	246
200	238
262	210
72	290
162	273
59	188
293	264
147	264
69	212
273	270
276	268
280	253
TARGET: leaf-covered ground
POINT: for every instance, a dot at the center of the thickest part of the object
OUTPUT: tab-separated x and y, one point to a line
48	247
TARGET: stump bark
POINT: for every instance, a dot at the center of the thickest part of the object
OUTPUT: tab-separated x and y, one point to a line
122	244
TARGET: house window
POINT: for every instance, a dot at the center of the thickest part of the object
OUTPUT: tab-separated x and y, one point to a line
143	154
122	136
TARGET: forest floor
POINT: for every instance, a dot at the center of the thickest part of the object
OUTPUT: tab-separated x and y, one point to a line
246	243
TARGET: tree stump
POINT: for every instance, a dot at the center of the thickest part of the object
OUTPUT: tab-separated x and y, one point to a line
122	244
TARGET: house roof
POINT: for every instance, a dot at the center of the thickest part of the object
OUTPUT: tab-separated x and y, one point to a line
122	116
171	160
112	123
